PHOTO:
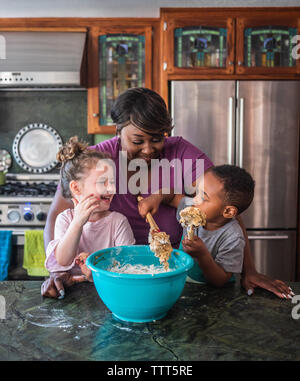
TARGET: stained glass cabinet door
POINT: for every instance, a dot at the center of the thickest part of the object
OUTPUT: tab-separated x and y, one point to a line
199	46
267	46
122	60
121	66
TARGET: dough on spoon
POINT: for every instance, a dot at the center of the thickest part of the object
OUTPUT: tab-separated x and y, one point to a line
161	246
191	218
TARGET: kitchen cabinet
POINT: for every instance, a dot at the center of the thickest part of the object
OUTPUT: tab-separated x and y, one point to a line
119	53
228	43
265	45
200	44
119	57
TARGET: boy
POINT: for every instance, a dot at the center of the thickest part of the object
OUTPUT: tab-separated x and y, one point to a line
218	247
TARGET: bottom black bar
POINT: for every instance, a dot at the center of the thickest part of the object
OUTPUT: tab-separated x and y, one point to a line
140	370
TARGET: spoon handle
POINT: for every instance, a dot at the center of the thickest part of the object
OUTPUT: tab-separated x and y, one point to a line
149	218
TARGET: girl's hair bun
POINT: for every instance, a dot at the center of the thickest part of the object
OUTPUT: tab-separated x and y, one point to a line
71	149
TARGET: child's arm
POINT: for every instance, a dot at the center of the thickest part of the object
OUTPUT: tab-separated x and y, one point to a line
213	272
67	248
80	260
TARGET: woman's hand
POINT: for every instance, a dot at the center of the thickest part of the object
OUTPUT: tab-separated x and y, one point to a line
54	287
84	208
80	260
253	279
149	204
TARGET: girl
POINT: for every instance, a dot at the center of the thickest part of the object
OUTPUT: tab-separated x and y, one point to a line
87	177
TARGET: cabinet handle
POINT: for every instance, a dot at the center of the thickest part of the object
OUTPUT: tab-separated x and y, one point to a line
240	63
95	115
241	132
230	131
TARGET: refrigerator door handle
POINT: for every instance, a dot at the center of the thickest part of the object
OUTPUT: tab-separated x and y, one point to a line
241	131
230	131
261	237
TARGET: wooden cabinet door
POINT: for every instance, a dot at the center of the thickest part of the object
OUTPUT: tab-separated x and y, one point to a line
266	44
120	57
194	45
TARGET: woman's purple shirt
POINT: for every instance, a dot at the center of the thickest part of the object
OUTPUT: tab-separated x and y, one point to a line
174	148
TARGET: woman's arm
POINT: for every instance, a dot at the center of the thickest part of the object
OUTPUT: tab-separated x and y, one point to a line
59	204
151	203
248	264
251	278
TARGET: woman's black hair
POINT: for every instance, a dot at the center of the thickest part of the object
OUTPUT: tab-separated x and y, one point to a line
143	108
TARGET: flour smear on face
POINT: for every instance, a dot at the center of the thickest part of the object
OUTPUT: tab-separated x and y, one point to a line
119	371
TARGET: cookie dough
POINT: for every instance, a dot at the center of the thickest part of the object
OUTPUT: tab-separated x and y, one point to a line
191	218
161	246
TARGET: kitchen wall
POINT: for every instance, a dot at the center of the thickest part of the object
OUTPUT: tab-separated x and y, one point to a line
119	8
65	111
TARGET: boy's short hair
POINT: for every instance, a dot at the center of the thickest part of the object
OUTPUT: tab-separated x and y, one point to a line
238	185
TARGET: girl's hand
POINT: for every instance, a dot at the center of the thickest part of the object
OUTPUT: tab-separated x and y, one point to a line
254	279
193	247
84	208
54	287
149	204
80	260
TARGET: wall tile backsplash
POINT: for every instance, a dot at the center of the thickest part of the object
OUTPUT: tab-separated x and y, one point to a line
65	111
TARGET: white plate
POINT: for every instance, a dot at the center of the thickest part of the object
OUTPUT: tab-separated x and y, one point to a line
35	147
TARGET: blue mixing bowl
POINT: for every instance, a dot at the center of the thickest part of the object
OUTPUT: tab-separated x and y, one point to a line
138	297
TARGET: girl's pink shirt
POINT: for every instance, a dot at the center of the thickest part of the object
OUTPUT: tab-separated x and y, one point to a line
112	230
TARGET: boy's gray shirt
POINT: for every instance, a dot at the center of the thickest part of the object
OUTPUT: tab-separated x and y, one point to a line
226	244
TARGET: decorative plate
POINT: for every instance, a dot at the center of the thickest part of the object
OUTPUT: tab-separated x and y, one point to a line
5	160
35	147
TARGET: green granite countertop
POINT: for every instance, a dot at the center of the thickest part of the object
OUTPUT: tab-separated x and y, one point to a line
205	324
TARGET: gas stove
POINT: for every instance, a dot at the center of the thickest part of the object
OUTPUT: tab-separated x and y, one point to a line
25	199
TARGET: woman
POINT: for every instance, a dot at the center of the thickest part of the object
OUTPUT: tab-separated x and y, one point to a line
143	128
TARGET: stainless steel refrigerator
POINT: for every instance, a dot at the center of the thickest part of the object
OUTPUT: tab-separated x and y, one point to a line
253	124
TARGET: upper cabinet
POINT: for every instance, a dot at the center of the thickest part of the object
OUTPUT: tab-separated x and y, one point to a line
267	45
197	44
182	44
223	43
120	57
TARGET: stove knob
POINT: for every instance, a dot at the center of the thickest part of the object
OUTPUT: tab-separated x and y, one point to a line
41	216
28	216
13	216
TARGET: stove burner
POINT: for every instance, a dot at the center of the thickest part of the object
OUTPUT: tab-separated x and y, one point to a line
28	189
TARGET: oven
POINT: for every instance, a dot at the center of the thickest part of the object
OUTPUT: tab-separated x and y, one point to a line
34	124
24	204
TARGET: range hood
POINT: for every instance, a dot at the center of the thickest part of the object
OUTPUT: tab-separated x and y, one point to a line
41	59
